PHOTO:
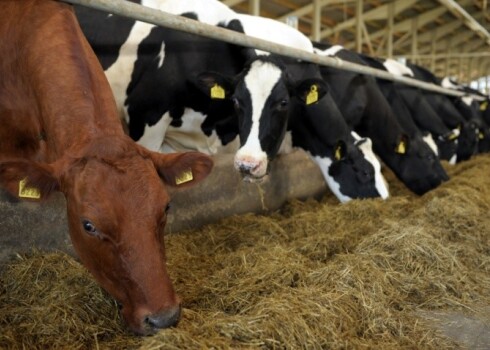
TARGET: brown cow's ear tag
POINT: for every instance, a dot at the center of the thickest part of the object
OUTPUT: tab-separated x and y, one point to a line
312	96
184	177
401	148
28	192
217	92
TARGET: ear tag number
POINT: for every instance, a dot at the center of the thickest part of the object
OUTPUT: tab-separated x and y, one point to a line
28	192
217	92
401	148
312	96
338	153
184	177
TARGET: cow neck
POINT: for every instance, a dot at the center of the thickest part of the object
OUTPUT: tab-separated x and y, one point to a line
76	105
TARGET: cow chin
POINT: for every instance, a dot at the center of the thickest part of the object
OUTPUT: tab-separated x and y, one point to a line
255	179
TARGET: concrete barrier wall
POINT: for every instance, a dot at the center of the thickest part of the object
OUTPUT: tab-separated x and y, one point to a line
27	225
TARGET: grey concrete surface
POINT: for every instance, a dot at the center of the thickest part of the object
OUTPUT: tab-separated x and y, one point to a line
24	225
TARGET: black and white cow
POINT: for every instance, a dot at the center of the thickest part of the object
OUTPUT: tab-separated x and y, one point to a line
469	108
445	109
420	110
367	111
180	91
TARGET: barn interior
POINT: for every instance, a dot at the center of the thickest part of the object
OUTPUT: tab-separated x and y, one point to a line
283	264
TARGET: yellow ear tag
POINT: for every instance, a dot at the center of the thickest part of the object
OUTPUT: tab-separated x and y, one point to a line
184	177
484	106
481	136
217	92
28	192
312	96
452	136
401	148
338	153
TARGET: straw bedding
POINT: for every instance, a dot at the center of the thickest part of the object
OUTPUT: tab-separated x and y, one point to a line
312	275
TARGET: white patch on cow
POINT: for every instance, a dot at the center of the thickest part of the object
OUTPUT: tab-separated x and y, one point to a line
161	55
397	68
153	135
453	159
449	84
366	148
119	73
190	137
468	100
429	140
251	153
332	51
275	31
207	11
324	164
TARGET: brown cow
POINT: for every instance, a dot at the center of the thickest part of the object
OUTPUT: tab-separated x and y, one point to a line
59	130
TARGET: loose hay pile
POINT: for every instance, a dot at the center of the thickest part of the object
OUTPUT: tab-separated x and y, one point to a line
315	275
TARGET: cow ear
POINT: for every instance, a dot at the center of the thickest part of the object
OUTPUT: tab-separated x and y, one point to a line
182	169
215	85
310	91
402	145
29	180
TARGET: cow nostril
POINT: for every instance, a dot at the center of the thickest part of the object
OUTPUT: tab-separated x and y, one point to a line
247	168
163	320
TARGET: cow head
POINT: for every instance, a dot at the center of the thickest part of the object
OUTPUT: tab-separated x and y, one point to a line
447	146
467	140
261	97
414	163
354	171
117	209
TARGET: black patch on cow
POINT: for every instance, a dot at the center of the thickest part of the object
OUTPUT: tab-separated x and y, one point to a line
106	33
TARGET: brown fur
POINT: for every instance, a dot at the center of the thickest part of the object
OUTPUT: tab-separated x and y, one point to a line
59	128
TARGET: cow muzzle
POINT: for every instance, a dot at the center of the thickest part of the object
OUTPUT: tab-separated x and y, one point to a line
252	169
149	323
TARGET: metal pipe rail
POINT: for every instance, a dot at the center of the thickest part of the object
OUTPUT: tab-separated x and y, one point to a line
163	19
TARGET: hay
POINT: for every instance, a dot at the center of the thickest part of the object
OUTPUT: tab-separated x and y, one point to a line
312	275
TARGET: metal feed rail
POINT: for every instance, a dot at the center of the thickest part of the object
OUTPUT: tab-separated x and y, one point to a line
163	19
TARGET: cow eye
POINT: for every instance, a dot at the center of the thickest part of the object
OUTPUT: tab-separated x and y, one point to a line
236	103
283	104
89	227
167	208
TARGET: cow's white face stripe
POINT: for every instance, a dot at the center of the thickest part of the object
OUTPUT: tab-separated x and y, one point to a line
367	150
324	164
430	141
260	89
161	55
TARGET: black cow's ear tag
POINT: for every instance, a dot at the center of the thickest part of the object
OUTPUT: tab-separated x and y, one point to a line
452	136
312	96
484	106
28	192
184	177
338	152
401	148
217	92
481	136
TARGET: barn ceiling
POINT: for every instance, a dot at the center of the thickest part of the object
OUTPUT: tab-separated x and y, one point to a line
449	37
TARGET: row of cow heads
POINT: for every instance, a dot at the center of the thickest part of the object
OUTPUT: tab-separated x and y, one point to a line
116	220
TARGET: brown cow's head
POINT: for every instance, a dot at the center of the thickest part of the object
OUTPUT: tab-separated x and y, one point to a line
117	209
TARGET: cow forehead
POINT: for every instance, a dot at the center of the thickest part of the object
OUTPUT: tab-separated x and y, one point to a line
261	79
